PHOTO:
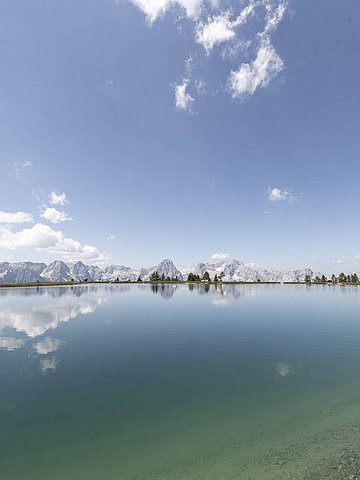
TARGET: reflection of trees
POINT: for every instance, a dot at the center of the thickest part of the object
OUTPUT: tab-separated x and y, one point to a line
166	291
231	291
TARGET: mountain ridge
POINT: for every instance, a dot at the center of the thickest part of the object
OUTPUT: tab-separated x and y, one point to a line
59	271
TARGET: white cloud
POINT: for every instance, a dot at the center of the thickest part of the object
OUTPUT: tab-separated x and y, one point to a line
183	100
58	198
220	28
337	262
357	256
251	76
48	345
19	167
11	343
220	256
110	237
43	238
217	30
16	217
221	23
55	216
278	195
154	9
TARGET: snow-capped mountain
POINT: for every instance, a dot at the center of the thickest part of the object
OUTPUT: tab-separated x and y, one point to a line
59	271
21	272
236	271
166	268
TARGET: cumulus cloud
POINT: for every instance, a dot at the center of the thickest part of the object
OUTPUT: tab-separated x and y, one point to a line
48	345
43	238
58	199
357	256
183	99
278	195
220	256
55	216
251	76
110	237
217	30
15	217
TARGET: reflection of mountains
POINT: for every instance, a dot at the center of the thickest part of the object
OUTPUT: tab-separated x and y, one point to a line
65	303
225	292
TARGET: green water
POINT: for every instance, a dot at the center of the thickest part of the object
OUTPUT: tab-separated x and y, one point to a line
133	382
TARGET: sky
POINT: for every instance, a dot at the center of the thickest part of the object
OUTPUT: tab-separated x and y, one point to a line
137	130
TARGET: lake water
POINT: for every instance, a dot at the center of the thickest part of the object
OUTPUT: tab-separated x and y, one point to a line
135	382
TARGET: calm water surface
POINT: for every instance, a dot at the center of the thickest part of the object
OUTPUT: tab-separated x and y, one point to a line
135	382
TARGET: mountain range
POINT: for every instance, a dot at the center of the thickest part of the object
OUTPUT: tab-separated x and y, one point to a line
59	271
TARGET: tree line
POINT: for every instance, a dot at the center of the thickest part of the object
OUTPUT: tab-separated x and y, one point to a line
341	278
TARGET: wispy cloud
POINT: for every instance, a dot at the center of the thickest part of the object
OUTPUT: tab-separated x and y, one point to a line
56	198
55	216
19	168
337	262
15	217
220	256
230	29
110	237
183	99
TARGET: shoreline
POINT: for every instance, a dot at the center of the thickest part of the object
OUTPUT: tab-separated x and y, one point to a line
159	282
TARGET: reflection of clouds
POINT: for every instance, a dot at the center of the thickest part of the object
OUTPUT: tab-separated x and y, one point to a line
48	345
284	369
221	302
38	319
48	365
11	343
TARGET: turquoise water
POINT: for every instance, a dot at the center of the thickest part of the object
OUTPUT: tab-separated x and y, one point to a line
163	382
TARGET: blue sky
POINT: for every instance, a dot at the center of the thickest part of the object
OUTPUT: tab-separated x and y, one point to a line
180	129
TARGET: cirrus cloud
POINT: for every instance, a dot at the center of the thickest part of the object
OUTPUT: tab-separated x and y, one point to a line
220	256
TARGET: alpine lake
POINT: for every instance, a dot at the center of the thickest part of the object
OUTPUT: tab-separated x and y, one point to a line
183	382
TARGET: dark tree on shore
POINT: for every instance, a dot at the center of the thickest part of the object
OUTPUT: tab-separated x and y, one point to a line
342	277
307	279
354	278
206	276
139	279
162	277
216	278
154	276
333	278
323	279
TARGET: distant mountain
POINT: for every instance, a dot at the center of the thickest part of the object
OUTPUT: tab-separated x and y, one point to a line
22	272
59	271
166	267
